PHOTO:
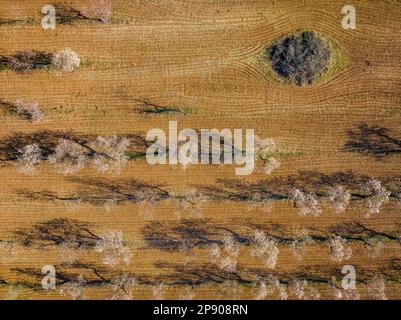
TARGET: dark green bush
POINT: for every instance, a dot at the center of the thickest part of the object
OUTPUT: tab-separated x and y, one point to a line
300	59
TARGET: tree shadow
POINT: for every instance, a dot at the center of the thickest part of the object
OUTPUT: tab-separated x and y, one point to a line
26	61
356	231
372	140
189	234
200	274
57	232
70	273
176	274
147	107
280	188
103	191
67	14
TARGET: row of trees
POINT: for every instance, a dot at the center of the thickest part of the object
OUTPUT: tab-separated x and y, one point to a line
310	193
65	60
73	279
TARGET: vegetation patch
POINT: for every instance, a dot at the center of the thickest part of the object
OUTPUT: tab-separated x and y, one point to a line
147	107
65	60
94	10
300	59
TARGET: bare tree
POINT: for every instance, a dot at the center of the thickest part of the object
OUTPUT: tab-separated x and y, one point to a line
26	61
99	10
25	109
92	10
58	232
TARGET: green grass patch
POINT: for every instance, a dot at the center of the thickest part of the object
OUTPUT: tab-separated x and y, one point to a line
3	67
281	154
136	155
86	63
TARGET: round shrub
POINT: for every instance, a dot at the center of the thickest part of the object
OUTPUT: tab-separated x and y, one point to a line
300	59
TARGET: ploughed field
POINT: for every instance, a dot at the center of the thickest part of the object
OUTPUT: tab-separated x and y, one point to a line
325	193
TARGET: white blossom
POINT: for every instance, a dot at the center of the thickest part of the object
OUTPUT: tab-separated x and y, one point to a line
226	255
68	251
66	60
13	292
265	248
377	288
339	250
267	286
264	147
113	248
345	294
229	290
377	196
8	251
301	290
299	245
263	150
122	287
157	291
374	247
29	158
98	9
30	110
339	198
69	156
305	202
110	153
186	294
74	289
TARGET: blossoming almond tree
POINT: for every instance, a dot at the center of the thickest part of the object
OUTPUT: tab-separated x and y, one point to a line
267	285
339	250
157	291
305	202
339	198
69	156
345	294
377	196
377	288
65	60
122	287
29	110
30	156
263	150
100	10
186	294
226	255
300	243
74	289
113	248
111	153
302	290
265	248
